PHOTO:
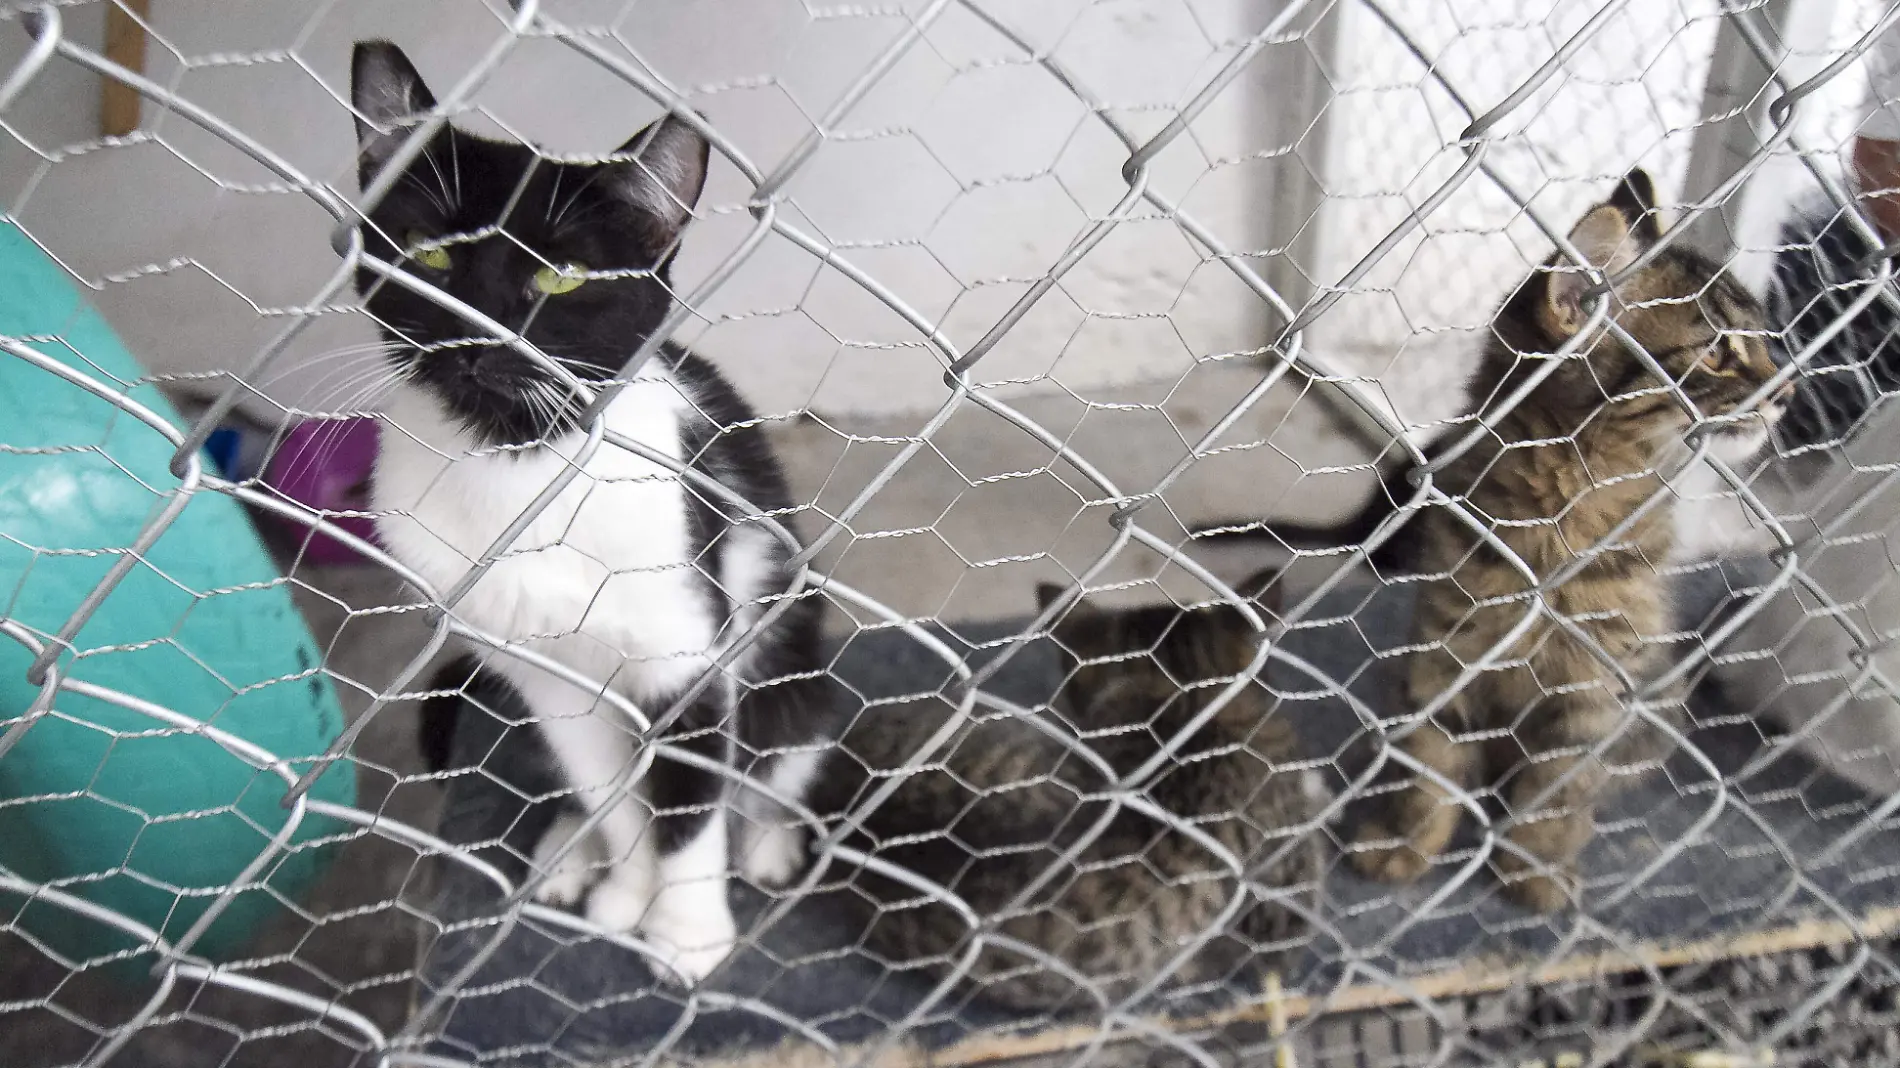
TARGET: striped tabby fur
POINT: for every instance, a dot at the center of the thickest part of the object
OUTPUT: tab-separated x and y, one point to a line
1558	474
1003	800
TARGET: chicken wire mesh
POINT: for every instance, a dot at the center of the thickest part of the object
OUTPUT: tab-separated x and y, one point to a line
1165	250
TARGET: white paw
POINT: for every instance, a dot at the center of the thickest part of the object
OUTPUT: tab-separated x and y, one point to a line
692	930
773	854
563	889
689	966
1313	785
620	902
569	875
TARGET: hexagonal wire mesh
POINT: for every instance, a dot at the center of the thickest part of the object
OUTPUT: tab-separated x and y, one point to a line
1142	241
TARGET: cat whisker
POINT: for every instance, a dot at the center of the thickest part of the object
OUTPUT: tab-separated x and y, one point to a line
318	447
428	194
347	360
455	168
347	352
441	181
567	221
547	401
325	403
564	402
338	379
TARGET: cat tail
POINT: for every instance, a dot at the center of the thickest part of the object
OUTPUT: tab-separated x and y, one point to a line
1346	533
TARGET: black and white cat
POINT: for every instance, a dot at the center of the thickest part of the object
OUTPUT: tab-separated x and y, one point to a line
631	577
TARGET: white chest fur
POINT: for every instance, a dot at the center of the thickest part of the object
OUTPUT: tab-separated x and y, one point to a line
1709	519
602	579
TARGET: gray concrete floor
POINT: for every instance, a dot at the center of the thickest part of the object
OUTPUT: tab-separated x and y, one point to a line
984	510
962	531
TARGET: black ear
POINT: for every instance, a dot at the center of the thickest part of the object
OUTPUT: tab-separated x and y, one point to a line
389	97
665	175
1635	197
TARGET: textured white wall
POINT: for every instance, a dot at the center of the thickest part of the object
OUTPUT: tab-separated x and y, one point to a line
962	177
1633	95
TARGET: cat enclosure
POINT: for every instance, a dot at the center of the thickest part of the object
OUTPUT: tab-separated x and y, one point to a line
1024	291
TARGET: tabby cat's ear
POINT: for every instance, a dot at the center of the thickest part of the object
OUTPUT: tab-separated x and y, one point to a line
1611	237
1635	197
664	178
389	99
1606	239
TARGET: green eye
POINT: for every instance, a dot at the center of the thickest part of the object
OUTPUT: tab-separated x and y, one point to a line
435	259
565	278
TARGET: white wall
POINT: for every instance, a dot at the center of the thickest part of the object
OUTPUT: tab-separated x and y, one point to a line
962	177
1633	94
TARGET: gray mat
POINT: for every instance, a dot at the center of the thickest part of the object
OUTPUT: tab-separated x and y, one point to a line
546	997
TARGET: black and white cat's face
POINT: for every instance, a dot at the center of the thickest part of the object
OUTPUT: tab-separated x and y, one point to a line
574	256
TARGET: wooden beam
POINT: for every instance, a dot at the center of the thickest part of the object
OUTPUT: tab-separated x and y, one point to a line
125	45
1476	976
1275	1007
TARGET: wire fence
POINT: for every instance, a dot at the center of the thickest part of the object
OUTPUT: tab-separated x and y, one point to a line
1737	907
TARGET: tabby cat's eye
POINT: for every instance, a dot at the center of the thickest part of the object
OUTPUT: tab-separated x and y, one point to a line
564	278
435	259
1728	357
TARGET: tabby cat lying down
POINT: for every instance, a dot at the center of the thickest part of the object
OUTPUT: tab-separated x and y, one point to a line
999	804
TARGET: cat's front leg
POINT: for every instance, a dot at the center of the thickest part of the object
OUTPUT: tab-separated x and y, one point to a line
568	867
771	840
1403	842
690	922
592	749
1552	796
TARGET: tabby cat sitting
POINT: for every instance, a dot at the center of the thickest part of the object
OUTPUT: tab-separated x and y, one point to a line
1564	480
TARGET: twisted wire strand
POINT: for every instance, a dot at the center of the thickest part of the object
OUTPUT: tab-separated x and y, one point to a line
1289	354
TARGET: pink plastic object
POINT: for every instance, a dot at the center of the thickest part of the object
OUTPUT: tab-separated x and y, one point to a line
326	464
